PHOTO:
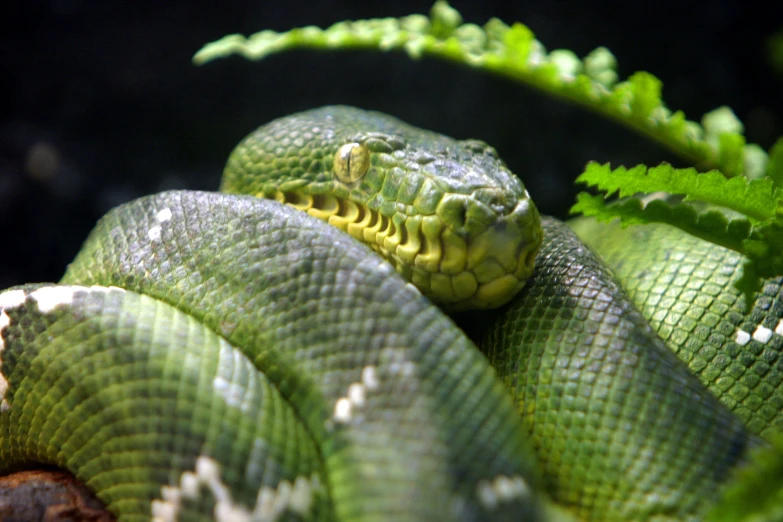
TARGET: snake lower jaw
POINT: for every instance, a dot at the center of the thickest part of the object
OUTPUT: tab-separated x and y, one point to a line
483	273
503	257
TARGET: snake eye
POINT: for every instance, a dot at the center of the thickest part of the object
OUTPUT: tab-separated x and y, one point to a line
351	162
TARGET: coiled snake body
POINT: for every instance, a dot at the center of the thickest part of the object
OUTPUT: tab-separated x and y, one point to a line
212	356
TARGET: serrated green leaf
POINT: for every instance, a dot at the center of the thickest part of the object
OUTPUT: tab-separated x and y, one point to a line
601	66
445	19
514	52
646	90
710	225
756	199
731	152
518	41
756	161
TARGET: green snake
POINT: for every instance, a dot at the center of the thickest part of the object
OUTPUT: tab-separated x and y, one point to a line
222	356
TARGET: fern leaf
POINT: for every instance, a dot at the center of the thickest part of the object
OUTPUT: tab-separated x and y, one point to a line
758	236
514	52
710	225
756	198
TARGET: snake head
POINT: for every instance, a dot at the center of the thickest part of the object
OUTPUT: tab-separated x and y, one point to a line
447	214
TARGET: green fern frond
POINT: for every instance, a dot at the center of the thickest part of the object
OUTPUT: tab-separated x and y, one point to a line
757	199
713	226
513	51
757	232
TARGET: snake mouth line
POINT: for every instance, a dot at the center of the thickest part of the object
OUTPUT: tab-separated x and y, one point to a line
484	272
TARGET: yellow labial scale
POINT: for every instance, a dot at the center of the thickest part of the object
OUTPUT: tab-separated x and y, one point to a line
431	253
465	285
394	239
454	248
488	271
382	234
348	216
370	233
410	249
497	291
357	228
300	201
329	206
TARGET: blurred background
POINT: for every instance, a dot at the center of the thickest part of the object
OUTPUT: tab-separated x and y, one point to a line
100	104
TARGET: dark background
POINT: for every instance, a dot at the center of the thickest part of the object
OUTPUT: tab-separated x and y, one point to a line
101	104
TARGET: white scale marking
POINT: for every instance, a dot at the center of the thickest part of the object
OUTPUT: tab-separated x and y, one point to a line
742	337
501	489
50	297
370	378
271	503
12	298
189	482
762	334
4	404
232	393
4	321
302	495
779	328
162	216
154	233
356	396
342	410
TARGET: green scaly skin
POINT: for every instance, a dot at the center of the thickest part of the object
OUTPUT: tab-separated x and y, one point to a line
313	310
370	404
684	287
622	429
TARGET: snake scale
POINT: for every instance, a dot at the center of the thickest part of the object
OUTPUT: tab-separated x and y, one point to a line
222	356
